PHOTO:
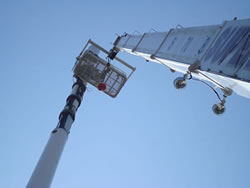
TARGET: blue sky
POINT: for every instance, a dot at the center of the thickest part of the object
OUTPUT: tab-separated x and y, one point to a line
151	135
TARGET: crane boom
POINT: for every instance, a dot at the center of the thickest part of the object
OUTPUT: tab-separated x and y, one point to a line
217	53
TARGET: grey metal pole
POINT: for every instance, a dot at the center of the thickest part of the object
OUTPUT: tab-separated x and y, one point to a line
45	169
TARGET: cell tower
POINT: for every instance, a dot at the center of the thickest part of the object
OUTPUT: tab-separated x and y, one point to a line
217	53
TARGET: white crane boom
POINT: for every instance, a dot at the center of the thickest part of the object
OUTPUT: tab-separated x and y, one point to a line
218	53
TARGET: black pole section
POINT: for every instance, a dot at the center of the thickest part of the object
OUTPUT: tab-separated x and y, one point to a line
67	116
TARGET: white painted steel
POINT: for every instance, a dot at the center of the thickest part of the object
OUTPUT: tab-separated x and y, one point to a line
222	50
69	120
44	172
